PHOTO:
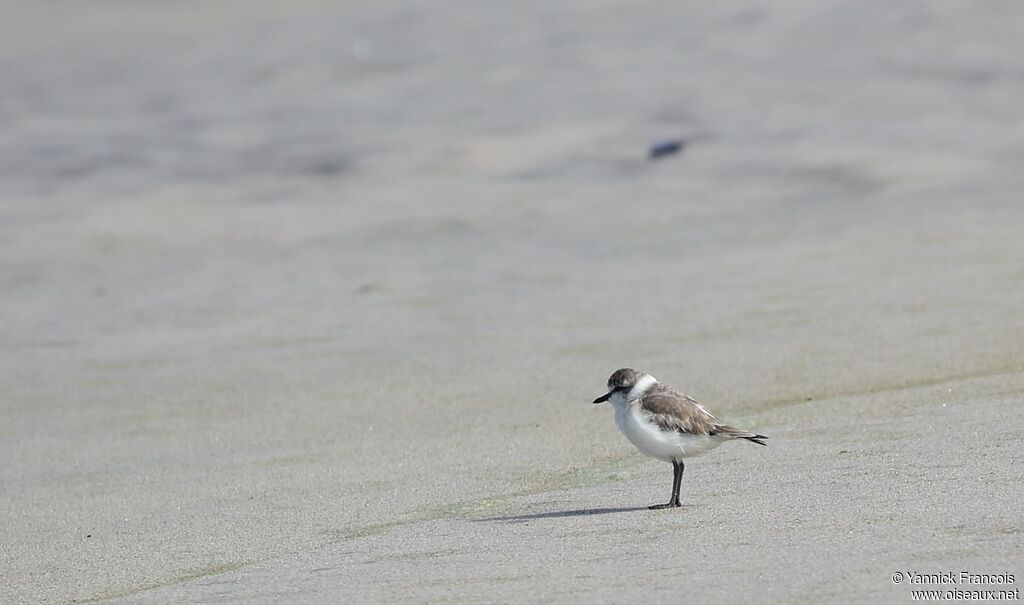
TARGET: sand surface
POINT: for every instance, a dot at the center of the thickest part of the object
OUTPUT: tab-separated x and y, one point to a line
309	304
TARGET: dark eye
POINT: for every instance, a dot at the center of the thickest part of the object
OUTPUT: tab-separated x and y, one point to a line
621	387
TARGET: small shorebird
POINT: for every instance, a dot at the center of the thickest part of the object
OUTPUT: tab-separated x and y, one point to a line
665	424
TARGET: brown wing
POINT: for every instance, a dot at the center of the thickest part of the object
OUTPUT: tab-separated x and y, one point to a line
671	410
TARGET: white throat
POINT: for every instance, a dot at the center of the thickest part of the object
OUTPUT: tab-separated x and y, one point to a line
620	399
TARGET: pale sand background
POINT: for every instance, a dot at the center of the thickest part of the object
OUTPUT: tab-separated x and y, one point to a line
309	304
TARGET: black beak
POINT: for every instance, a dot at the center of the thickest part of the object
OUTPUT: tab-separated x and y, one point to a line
604	398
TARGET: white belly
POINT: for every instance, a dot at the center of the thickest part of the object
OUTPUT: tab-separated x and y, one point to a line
663	445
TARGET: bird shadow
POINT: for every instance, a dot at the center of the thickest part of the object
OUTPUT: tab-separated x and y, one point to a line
557	514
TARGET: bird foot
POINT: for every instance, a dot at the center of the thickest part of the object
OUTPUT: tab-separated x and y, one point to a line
661	506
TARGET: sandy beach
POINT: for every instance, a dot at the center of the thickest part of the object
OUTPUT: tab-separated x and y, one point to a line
309	304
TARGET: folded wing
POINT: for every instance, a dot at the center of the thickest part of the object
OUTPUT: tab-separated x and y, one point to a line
671	410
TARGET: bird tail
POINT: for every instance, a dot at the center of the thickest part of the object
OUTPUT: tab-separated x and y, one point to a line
736	433
757	439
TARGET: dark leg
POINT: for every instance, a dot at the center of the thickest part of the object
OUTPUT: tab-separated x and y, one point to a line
677	478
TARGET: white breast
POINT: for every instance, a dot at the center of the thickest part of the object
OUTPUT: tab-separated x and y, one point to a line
651	440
